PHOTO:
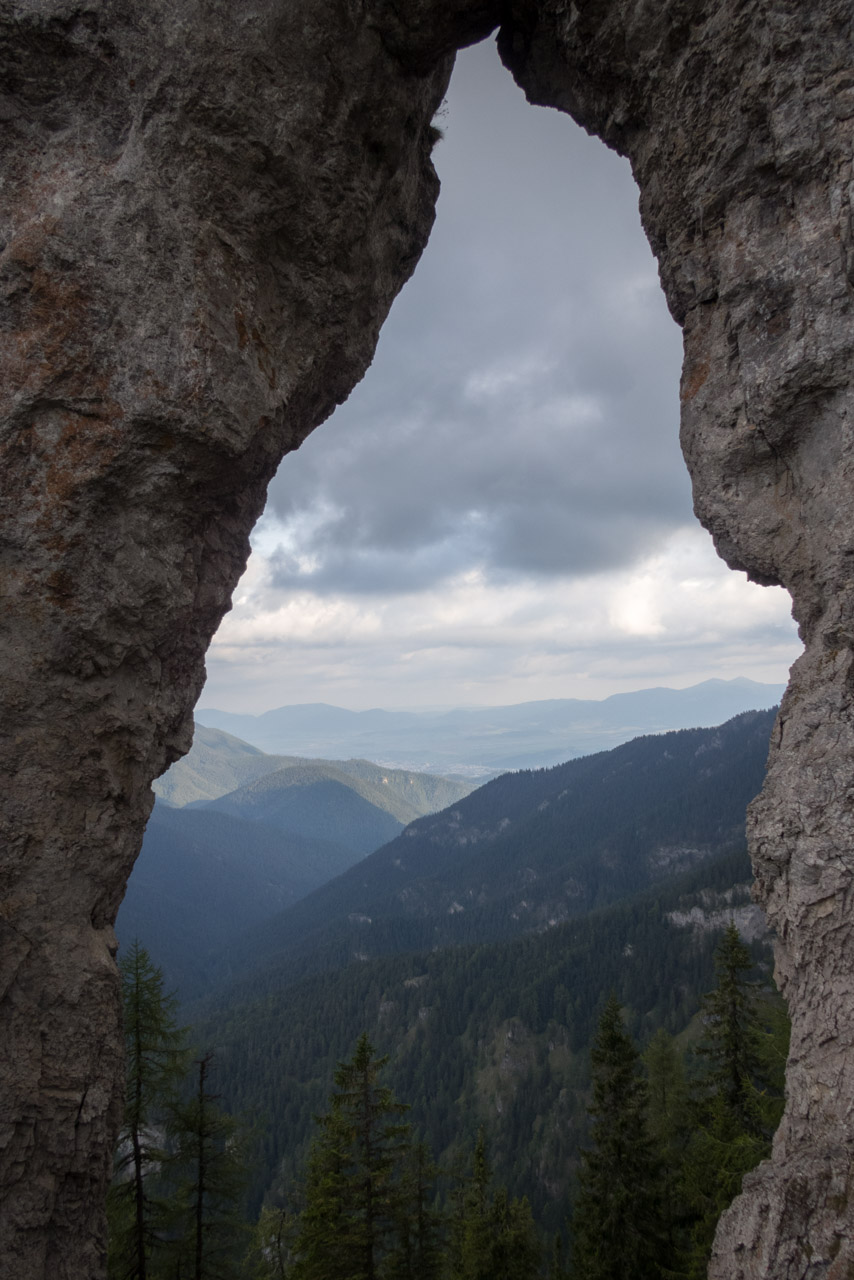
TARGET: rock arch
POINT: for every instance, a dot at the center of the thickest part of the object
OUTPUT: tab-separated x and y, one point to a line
207	209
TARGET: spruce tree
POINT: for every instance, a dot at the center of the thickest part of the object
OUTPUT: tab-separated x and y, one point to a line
322	1240
669	1122
474	1261
354	1189
738	1099
419	1252
616	1226
719	1156
557	1270
155	1061
731	1041
457	1220
491	1235
515	1249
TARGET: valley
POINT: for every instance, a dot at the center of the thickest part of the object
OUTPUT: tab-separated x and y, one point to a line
237	835
473	932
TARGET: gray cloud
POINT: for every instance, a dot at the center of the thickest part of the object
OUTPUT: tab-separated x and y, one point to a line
521	414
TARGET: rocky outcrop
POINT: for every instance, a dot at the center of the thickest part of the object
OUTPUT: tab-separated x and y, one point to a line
749	920
206	211
738	119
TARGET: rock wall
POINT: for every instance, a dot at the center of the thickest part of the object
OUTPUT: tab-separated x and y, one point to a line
738	119
206	210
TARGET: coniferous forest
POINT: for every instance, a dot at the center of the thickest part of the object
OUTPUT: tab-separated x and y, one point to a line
577	1100
670	1136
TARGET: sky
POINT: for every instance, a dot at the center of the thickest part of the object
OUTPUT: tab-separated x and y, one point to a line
500	512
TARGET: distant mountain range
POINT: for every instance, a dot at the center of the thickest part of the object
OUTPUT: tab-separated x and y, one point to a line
479	741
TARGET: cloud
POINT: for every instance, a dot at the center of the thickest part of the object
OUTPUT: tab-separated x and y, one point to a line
500	511
521	414
676	617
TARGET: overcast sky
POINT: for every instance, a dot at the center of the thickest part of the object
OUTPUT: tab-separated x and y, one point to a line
500	512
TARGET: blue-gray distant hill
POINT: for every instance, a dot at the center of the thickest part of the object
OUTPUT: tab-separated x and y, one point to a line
238	835
482	740
204	878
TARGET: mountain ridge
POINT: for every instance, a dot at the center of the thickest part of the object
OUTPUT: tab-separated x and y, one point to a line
480	740
217	859
529	850
219	763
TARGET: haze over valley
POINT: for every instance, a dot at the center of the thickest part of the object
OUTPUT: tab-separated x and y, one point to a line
477	741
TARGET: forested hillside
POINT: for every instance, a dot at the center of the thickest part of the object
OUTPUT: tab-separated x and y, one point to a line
493	1034
237	835
529	850
671	1133
479	950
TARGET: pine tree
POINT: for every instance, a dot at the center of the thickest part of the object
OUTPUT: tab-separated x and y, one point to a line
155	1061
515	1248
719	1156
457	1220
616	1225
557	1270
354	1192
474	1242
322	1241
419	1254
669	1123
668	1111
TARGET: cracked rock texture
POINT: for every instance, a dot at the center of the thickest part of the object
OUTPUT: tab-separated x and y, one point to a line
738	119
206	209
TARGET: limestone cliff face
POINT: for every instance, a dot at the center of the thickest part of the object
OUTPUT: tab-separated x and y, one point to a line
206	210
738	118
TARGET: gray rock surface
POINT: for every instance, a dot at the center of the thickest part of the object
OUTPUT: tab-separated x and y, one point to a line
206	210
738	119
